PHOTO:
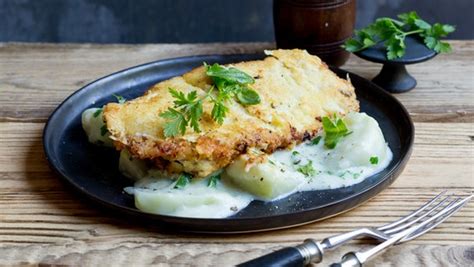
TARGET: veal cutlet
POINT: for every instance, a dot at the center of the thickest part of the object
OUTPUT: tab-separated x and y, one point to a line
296	89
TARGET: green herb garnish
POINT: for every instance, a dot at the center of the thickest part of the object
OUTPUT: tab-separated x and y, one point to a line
176	123
97	112
232	82
120	98
212	182
230	75
182	181
374	160
316	140
187	110
248	96
393	32
103	130
335	129
307	169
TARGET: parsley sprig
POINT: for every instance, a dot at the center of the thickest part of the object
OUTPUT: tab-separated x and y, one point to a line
334	129
392	33
187	110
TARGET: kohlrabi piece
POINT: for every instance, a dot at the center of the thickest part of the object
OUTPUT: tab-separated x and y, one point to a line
365	141
195	200
267	181
131	167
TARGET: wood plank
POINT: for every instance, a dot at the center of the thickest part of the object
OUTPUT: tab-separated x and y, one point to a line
205	254
31	89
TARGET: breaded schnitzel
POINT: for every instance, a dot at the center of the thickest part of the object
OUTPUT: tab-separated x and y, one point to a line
296	90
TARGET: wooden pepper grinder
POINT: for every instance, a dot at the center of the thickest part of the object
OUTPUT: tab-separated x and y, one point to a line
319	26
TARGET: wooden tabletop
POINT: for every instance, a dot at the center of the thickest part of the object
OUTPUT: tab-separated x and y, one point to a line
43	221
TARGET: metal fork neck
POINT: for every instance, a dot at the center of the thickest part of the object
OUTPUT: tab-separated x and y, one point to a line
311	250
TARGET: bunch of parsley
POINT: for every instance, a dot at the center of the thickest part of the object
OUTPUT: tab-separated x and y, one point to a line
187	110
393	32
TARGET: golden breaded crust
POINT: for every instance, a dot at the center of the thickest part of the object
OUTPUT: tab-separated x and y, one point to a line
296	90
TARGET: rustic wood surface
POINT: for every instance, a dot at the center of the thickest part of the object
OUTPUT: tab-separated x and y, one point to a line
44	222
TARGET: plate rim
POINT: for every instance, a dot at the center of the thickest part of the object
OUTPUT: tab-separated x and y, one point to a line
398	167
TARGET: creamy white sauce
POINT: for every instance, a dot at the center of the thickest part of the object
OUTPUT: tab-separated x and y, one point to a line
281	175
345	165
197	199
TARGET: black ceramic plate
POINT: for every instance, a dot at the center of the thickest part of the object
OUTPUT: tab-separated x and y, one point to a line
93	170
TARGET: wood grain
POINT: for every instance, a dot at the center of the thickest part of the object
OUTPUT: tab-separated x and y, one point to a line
44	222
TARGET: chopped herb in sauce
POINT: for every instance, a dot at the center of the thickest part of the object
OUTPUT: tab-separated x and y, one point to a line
182	181
316	140
212	182
103	130
97	112
374	160
307	170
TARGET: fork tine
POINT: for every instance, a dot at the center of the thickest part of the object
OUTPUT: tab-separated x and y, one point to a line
428	212
438	218
431	226
411	215
359	258
436	222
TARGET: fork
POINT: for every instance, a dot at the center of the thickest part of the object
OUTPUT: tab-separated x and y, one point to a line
427	216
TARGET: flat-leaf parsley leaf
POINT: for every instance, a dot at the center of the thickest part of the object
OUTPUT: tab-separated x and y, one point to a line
231	74
334	129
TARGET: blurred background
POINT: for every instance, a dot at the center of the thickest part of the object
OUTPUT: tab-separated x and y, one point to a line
188	21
